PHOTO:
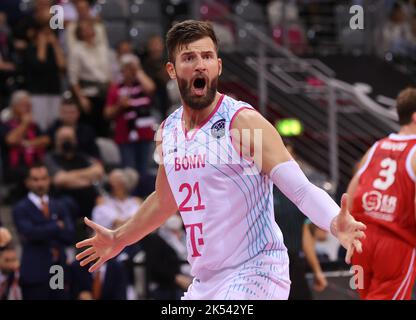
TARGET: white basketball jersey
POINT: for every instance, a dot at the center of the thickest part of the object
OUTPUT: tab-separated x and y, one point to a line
225	202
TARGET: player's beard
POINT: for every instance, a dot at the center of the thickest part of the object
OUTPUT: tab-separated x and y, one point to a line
195	102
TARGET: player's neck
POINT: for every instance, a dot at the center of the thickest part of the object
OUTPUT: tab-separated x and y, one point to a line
193	118
407	130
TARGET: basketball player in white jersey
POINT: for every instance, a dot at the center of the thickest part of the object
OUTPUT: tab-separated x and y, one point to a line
214	177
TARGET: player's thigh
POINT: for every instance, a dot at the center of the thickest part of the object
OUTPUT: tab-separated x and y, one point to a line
399	288
394	269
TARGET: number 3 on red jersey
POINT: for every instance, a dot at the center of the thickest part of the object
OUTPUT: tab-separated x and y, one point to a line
386	175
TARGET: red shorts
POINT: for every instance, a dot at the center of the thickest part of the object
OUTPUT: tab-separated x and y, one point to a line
389	266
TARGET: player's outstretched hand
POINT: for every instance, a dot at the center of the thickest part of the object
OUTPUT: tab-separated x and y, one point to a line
348	231
101	247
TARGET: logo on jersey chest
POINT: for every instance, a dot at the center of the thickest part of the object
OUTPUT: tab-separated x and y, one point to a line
218	129
381	206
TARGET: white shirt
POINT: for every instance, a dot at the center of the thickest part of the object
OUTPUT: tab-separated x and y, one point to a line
37	201
112	209
90	63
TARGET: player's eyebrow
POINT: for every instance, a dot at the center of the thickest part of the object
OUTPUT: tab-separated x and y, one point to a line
185	53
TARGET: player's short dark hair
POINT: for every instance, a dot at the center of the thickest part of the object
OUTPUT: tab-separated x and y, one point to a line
406	105
186	32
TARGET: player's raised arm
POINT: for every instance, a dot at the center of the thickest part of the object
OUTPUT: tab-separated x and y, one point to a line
154	211
272	158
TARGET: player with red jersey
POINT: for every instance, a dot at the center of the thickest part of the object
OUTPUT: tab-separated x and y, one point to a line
383	197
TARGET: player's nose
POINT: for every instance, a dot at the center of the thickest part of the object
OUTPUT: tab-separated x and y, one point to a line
200	64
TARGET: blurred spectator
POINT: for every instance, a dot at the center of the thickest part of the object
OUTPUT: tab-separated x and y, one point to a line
24	142
7	67
9	274
89	70
69	116
115	209
45	229
43	62
287	27
118	206
224	28
25	30
129	104
83	12
75	10
397	34
107	283
124	47
73	173
165	258
5	236
154	65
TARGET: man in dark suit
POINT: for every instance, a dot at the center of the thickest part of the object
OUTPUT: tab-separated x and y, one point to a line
45	228
107	283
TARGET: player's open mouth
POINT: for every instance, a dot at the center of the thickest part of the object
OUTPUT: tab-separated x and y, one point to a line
199	86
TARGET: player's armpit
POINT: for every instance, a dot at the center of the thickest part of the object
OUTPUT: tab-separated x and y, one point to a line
257	139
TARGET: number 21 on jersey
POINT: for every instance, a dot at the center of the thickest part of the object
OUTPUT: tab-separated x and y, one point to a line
191	191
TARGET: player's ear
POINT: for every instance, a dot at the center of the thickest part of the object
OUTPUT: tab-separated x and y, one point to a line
219	66
414	117
170	68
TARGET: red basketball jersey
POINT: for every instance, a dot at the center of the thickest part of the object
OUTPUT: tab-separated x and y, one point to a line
385	195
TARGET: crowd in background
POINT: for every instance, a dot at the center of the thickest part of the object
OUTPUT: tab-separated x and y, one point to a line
77	123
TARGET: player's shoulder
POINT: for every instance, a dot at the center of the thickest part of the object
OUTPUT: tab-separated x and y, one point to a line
234	105
238	111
